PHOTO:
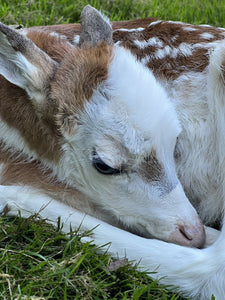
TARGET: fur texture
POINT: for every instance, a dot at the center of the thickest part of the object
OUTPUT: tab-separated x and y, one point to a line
128	136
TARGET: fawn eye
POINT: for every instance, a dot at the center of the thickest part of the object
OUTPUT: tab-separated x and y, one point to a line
101	167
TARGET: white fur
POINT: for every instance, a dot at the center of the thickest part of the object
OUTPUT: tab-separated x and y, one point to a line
183	49
119	124
76	39
206	36
20	70
151	42
12	139
60	36
130	116
155	23
130	30
192	270
189	28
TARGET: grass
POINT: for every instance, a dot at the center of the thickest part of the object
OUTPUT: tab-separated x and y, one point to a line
43	12
38	261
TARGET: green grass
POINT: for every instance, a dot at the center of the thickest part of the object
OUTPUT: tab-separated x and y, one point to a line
36	259
43	12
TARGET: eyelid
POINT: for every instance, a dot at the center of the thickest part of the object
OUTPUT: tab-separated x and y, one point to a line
101	166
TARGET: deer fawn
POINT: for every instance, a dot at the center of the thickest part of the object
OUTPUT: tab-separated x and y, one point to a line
121	128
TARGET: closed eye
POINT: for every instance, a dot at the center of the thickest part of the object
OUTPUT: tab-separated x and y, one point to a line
102	167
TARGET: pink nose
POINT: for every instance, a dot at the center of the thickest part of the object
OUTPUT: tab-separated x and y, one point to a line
191	235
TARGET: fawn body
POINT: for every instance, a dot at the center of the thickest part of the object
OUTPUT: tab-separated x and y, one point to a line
123	129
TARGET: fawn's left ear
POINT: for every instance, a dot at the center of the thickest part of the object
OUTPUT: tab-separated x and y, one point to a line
24	64
95	27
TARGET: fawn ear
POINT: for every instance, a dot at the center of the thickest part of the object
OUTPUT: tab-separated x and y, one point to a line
95	27
24	64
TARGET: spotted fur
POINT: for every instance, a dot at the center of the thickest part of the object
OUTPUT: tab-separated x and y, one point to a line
148	106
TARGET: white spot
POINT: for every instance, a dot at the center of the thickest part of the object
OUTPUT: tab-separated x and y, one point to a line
139	29
130	30
174	52
76	39
185	49
63	37
141	44
145	60
206	45
173	39
155	41
176	22
205	25
189	28
155	23
161	53
118	43
151	42
206	36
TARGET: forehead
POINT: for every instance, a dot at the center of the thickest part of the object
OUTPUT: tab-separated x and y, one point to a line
120	131
130	108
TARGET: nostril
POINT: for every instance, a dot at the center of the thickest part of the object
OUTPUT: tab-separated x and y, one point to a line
195	235
186	234
191	234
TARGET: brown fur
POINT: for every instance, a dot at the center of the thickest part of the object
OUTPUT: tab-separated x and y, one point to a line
81	71
70	30
150	168
54	46
18	112
169	67
18	171
71	90
72	85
